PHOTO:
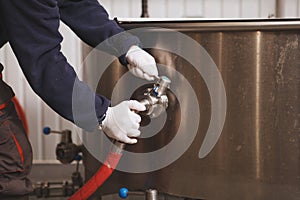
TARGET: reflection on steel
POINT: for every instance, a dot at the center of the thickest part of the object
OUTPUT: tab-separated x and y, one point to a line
258	104
258	153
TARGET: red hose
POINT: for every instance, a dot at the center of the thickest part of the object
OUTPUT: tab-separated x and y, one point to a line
99	178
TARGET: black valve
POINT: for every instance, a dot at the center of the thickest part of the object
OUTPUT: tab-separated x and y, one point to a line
66	150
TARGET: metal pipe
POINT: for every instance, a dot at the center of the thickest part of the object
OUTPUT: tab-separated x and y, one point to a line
145	8
279	8
204	25
151	194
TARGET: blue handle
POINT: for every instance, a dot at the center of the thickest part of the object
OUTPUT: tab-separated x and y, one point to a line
123	193
78	157
46	130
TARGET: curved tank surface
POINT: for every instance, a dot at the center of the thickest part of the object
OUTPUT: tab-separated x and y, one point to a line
254	95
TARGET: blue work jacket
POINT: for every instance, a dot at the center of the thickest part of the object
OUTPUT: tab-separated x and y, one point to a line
31	28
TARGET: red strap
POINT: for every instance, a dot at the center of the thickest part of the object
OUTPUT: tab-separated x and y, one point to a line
0	75
3	105
20	150
21	113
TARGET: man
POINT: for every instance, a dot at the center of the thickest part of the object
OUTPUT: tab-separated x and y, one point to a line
31	28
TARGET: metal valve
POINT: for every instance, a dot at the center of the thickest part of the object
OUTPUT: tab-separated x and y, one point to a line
66	150
155	98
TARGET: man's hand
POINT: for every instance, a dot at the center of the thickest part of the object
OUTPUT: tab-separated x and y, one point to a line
141	63
122	123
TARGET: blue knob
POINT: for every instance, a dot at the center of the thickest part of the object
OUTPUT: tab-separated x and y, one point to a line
46	130
78	157
123	193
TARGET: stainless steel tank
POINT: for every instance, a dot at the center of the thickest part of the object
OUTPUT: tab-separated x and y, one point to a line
257	155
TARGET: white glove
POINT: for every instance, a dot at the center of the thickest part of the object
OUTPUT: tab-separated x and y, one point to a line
122	123
141	64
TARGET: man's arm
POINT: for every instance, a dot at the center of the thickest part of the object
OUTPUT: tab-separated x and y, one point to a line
32	31
89	20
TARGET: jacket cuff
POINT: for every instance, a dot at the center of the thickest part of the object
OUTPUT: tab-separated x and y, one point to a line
126	40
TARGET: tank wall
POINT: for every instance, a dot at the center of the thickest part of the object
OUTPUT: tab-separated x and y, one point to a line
257	155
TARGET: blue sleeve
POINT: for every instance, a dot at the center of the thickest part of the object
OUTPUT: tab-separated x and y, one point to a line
89	20
32	31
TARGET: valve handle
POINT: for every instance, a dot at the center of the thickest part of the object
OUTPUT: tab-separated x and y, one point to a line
78	157
46	130
123	193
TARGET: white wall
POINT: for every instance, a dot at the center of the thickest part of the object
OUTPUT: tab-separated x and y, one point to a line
40	115
290	8
193	8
